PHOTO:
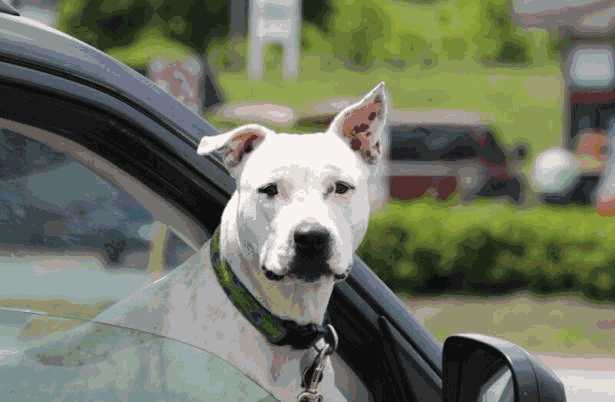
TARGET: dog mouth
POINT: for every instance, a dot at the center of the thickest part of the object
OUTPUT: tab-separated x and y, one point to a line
272	276
306	276
306	271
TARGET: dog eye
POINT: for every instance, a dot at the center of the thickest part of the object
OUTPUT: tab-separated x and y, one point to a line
342	188
271	190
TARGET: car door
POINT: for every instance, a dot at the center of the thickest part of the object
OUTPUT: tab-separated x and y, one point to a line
79	234
150	202
91	212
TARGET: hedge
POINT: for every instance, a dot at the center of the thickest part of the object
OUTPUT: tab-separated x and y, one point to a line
149	45
489	247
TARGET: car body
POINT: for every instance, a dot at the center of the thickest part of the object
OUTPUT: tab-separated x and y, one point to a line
447	152
440	152
127	135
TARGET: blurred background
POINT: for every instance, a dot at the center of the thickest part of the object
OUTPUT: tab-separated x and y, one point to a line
502	113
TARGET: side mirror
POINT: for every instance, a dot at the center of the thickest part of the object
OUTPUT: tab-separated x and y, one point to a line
519	152
480	368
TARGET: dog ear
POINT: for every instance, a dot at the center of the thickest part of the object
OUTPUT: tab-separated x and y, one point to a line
234	145
362	124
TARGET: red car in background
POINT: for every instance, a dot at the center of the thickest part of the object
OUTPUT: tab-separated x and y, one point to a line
444	152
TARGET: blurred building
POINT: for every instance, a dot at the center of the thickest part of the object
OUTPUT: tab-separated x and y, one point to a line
574	18
586	30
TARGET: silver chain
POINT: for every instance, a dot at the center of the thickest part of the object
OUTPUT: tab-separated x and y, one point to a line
313	375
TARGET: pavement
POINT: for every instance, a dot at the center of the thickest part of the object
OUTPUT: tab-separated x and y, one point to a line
590	379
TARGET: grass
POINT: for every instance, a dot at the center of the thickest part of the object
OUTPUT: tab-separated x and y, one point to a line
560	324
523	103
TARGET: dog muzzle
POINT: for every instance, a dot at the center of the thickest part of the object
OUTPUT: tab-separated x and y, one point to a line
278	331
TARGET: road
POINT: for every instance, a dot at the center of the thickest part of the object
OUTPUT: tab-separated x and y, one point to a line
585	379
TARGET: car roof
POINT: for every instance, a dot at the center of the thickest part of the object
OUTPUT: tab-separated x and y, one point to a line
437	117
7	8
32	44
322	113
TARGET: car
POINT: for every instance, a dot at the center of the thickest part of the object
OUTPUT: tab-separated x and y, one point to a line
448	152
122	134
443	152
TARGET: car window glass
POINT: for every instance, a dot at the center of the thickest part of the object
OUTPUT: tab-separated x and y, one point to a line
110	363
348	382
431	143
583	117
76	233
420	378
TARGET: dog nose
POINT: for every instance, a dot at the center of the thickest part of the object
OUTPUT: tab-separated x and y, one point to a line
311	238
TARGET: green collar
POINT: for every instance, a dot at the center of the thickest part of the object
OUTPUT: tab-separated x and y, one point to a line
277	330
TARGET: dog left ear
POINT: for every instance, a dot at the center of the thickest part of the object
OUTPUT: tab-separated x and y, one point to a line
234	145
362	125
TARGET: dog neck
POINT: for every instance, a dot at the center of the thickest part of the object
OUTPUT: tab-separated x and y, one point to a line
303	303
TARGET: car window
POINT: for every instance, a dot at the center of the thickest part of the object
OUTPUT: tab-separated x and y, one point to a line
120	364
583	117
67	271
78	235
430	143
76	230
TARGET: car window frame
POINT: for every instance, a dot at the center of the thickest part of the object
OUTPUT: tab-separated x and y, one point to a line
183	226
212	188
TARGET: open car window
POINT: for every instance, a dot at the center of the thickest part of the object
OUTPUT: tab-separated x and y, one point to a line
429	143
79	235
81	250
100	362
76	233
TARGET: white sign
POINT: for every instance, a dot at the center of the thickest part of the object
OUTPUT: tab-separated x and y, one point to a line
274	21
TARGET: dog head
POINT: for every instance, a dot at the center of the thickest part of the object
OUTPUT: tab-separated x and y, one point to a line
302	200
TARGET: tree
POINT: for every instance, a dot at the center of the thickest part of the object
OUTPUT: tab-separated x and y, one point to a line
109	24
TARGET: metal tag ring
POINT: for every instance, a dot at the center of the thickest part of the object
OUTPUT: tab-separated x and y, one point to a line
306	396
332	348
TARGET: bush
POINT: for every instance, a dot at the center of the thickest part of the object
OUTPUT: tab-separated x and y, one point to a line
107	24
148	45
359	32
485	247
498	39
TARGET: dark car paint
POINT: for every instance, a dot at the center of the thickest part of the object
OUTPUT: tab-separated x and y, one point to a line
7	8
440	143
533	381
59	65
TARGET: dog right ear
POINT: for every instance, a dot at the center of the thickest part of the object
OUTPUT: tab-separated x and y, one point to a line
234	145
362	124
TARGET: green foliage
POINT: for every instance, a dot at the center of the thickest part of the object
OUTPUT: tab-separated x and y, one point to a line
148	45
104	23
109	24
498	39
227	55
486	247
359	31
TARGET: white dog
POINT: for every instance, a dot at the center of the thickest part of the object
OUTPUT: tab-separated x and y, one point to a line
287	235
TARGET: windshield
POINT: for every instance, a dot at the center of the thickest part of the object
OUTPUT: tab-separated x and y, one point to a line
88	361
443	143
